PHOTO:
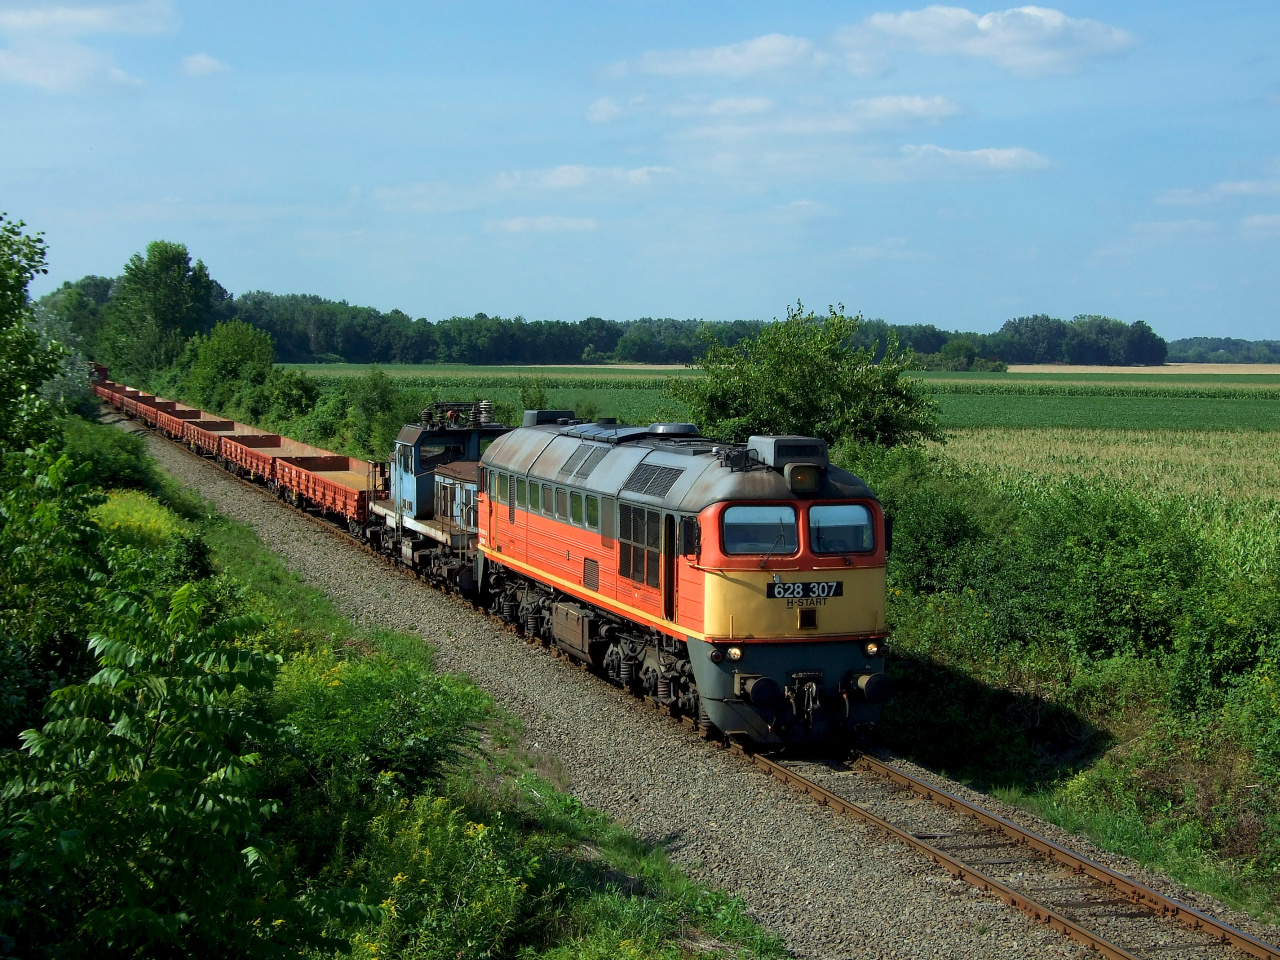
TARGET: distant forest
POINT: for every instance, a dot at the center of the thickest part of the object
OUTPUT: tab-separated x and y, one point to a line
101	312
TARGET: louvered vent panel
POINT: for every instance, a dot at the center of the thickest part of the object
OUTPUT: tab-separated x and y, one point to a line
591	574
651	480
575	459
590	463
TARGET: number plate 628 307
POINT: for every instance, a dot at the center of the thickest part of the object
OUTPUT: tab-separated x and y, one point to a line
810	589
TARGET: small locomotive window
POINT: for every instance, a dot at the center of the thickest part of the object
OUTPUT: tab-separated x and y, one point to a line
593	513
533	495
502	488
840	528
547	497
763	529
562	504
575	508
521	489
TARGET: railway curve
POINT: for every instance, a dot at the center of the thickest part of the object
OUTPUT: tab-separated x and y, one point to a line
1179	930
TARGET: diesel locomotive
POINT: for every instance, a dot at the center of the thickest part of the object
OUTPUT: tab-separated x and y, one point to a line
742	584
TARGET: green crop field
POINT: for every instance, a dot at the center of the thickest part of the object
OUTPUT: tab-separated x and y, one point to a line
1123	400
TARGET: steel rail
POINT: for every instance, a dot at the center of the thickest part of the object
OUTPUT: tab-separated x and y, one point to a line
1130	890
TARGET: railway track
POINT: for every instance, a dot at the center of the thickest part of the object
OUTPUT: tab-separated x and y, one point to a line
1091	904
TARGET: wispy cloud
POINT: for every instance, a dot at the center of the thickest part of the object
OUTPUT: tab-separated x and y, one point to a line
203	65
1261	223
772	53
45	49
603	110
1150	234
542	225
580	181
997	159
1028	41
1220	191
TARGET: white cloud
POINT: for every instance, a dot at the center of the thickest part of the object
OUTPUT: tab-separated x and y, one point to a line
985	158
1147	235
44	50
1028	41
1262	222
575	176
600	183
1221	191
75	20
603	110
542	224
771	53
203	65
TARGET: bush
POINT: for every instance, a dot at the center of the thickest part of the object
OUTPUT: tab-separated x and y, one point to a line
117	459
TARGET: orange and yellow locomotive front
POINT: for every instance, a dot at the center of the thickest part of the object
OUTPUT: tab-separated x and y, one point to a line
793	620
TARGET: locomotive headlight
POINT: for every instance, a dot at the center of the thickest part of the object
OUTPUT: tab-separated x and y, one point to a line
734	653
803	477
872	649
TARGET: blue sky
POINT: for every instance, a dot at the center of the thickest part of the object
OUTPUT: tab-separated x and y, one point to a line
947	165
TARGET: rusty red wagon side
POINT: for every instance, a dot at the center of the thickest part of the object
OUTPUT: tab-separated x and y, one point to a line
342	485
254	455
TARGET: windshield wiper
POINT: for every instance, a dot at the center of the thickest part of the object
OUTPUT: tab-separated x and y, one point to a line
782	533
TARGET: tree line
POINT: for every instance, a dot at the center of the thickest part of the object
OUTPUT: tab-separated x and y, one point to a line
141	320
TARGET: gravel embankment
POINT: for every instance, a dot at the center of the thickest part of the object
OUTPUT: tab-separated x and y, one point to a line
830	887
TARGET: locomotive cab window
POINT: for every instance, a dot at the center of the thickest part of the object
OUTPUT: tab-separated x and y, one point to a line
533	496
575	508
841	528
770	529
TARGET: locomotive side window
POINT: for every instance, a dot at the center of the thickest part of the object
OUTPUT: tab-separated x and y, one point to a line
575	508
562	504
640	536
841	528
533	495
547	497
521	492
768	529
502	488
593	513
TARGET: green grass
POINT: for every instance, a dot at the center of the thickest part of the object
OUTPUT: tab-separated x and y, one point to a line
620	896
960	411
465	370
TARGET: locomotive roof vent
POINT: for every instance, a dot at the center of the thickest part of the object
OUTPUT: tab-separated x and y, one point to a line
673	430
536	418
777	452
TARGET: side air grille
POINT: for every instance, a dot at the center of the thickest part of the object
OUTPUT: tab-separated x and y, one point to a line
652	481
591	574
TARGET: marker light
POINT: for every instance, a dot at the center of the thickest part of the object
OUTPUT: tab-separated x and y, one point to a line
872	649
734	653
715	654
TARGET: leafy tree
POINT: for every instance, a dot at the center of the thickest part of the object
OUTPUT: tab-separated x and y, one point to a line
801	376
161	301
232	356
25	362
52	560
130	822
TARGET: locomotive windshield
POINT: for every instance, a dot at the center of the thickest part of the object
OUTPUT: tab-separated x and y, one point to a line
763	529
840	528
